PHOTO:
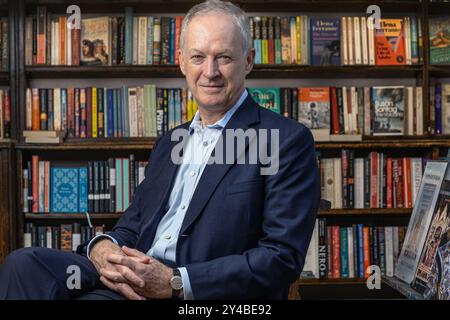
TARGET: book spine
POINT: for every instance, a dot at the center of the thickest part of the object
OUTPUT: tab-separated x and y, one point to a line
112	184
128	35
100	113
43	108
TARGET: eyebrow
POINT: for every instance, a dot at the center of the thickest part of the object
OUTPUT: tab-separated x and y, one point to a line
195	51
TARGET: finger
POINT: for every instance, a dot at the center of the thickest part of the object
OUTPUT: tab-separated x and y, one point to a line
122	260
112	275
140	260
135	253
132	277
122	288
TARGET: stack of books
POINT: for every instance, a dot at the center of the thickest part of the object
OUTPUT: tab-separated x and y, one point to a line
42	136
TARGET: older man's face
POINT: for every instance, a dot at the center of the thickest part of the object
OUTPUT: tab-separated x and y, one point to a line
213	61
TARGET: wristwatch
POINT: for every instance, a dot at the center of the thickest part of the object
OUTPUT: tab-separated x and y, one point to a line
176	283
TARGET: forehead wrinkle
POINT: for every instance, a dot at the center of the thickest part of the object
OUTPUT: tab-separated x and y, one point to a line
199	35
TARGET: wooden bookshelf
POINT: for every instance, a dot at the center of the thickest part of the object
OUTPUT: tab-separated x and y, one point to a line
14	154
439	71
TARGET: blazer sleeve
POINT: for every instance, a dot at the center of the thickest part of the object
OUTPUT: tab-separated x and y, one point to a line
292	198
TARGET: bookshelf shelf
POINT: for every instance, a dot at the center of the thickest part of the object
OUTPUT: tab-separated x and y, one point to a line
439	70
177	6
148	143
437	8
5	143
96	143
4	78
366	212
259	71
381	142
325	282
111	216
71	216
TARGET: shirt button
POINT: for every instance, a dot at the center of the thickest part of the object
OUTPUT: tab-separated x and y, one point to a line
192	173
167	237
183	207
205	143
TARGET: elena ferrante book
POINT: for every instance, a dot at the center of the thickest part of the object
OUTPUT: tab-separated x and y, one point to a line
325	42
440	40
388	109
389	42
95	41
420	220
268	98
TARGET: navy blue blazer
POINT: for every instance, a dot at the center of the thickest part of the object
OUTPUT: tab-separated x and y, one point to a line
245	235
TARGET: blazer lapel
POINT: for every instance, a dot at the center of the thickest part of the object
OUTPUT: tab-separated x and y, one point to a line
246	115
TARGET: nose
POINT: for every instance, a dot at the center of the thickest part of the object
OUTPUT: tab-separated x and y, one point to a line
210	68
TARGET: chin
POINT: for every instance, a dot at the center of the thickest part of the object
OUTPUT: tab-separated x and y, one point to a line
211	101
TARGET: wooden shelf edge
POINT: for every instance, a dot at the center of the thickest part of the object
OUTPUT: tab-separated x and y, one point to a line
366	211
333	212
147	143
340	281
71	216
98	143
259	71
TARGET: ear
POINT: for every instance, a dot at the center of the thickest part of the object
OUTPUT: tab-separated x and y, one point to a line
249	59
181	59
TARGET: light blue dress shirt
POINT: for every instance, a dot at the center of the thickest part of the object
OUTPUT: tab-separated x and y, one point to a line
195	157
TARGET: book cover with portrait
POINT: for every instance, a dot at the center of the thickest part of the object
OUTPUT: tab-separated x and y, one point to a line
95	41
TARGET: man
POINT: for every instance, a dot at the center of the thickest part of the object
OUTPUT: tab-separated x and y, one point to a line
198	229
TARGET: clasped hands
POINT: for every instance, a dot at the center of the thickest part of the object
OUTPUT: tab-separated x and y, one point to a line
130	272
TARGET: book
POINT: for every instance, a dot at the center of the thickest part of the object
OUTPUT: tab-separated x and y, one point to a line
314	111
95	40
439	32
389	42
420	220
268	98
388	106
325	41
64	189
433	271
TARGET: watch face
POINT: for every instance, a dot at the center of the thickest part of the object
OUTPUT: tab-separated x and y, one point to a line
176	283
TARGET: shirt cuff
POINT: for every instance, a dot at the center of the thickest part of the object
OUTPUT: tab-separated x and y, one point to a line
187	289
96	239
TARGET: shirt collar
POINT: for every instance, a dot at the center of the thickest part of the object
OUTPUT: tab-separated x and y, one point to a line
220	124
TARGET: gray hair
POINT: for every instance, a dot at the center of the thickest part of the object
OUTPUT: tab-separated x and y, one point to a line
217	6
